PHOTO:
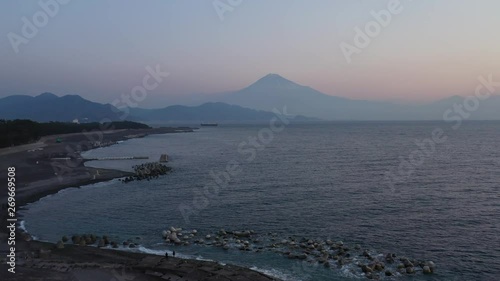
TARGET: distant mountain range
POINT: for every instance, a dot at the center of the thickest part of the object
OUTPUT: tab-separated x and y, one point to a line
254	103
274	91
207	112
49	107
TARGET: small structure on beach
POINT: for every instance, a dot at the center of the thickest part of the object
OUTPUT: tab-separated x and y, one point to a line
163	158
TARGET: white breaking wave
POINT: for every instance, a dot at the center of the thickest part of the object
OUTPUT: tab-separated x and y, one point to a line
22	226
276	274
145	250
268	272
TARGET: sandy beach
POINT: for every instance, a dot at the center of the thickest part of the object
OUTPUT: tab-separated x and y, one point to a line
38	176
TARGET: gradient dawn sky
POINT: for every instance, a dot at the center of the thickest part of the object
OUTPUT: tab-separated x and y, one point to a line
100	49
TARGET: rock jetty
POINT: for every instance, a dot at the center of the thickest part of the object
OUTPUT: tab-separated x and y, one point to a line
147	171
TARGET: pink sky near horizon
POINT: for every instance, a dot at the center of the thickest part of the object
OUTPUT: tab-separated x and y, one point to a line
429	51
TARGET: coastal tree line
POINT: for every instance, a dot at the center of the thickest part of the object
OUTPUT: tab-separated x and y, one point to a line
21	131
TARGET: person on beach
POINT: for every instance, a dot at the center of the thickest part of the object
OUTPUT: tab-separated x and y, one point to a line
166	255
173	253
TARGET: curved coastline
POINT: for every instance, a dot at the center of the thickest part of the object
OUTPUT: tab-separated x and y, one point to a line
45	261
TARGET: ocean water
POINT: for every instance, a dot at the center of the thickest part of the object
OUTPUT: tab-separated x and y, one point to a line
323	181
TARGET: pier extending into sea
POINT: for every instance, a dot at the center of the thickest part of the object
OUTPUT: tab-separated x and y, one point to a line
117	158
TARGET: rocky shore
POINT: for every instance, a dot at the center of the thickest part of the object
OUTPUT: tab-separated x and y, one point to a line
331	254
37	175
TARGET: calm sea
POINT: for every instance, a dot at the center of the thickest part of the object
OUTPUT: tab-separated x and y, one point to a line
381	185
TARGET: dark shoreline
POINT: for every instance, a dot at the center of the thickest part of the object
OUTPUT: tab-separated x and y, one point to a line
36	260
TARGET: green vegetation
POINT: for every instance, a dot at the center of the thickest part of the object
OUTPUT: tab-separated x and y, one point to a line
16	132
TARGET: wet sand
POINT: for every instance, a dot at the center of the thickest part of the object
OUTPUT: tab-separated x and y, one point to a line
38	176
